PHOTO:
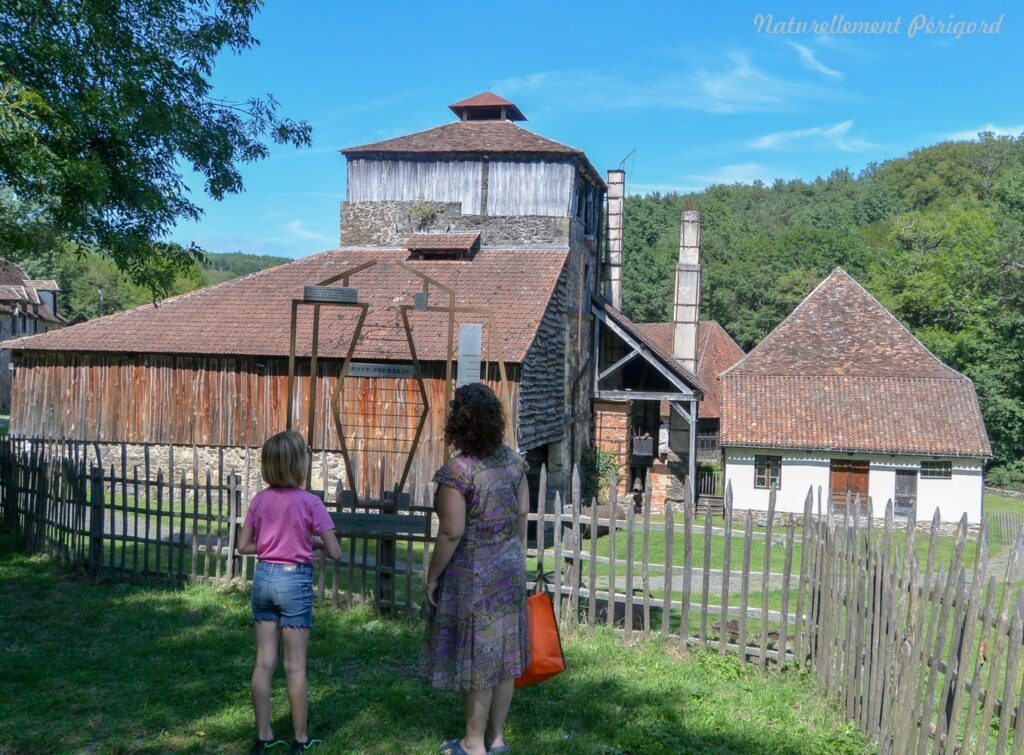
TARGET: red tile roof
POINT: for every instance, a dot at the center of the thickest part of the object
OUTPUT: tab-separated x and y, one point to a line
842	373
463	242
476	138
488	101
716	352
11	274
251	315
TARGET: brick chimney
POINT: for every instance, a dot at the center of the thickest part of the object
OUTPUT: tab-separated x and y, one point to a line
686	311
616	197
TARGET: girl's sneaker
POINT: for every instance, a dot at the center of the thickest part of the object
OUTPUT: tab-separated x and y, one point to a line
261	746
301	747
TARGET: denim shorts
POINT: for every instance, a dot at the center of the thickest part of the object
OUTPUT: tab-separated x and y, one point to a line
283	593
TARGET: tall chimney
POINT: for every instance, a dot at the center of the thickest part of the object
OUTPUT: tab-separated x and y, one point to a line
686	312
616	196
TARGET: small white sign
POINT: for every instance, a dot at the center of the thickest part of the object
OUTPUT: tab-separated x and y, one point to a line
367	369
470	340
331	294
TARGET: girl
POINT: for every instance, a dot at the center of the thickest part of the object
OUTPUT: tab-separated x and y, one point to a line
283	526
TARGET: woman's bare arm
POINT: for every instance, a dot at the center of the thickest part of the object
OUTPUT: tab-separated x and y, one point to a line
524	509
451	516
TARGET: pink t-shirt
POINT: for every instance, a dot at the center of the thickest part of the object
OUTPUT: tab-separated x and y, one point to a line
283	522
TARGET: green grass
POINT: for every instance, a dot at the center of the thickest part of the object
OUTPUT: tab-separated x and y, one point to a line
107	667
1003	504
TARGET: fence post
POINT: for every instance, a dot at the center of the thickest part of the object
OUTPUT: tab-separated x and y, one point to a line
234	507
96	500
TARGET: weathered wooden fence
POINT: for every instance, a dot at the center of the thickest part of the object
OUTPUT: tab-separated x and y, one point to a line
133	520
903	626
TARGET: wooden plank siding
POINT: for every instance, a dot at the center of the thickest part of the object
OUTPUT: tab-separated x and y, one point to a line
227	401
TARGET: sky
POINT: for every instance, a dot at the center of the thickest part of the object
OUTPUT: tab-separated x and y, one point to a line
682	95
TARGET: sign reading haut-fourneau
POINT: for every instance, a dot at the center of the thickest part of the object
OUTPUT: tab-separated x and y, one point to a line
368	369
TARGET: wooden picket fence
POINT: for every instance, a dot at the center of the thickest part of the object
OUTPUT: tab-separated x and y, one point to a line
922	649
913	638
133	521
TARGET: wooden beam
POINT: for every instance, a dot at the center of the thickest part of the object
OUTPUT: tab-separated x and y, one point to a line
644	396
647	353
621	363
680	411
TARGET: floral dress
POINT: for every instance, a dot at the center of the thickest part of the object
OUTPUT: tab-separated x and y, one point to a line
477	637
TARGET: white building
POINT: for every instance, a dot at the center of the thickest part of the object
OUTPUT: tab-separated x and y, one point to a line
842	397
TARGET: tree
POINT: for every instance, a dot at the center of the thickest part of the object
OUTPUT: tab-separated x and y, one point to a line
101	104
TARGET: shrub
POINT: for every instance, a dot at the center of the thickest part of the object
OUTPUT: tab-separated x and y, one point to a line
424	213
1010	475
596	468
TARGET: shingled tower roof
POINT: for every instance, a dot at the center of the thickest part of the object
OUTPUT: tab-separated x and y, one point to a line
842	373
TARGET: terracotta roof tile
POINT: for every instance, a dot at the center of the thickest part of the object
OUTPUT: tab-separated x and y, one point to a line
250	315
475	137
11	274
464	242
842	373
716	352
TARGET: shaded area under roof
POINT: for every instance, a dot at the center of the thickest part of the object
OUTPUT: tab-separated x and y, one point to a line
716	352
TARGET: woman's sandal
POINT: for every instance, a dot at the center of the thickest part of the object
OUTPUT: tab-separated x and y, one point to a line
453	747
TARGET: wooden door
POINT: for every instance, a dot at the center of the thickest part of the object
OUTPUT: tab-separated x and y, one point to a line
906	489
849	477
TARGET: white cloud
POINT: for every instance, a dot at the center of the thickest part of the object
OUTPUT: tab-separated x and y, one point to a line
811	63
836	136
735	85
296	228
742	173
971	134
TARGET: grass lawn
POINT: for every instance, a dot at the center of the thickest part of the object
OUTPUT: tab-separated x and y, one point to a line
1003	504
93	666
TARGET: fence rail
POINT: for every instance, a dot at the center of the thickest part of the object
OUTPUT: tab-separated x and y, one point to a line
903	626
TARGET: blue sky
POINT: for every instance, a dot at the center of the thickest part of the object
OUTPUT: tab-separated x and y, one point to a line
702	92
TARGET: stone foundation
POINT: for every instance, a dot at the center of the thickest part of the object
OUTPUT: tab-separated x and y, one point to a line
328	467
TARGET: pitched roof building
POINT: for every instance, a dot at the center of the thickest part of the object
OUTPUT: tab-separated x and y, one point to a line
843	386
474	223
27	307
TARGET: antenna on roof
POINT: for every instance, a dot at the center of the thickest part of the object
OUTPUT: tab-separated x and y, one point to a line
622	165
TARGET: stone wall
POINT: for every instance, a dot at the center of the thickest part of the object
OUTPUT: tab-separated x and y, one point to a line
391	223
328	467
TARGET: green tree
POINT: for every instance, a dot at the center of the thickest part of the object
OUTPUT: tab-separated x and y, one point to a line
103	104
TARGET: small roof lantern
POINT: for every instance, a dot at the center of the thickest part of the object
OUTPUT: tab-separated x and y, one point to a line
487	106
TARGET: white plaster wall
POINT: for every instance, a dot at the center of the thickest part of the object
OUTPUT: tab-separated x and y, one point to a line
802	470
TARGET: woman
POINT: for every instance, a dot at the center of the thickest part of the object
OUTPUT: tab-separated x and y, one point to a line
476	582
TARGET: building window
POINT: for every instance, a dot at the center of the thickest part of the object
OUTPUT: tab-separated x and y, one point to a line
936	470
767	471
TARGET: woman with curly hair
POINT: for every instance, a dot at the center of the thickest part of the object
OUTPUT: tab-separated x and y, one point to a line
476	583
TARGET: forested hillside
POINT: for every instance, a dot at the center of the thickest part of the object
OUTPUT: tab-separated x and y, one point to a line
937	236
82	275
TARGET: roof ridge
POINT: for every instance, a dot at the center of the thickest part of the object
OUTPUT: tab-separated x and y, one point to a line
784	321
896	320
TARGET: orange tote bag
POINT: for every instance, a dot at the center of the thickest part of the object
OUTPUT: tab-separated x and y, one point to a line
546	658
